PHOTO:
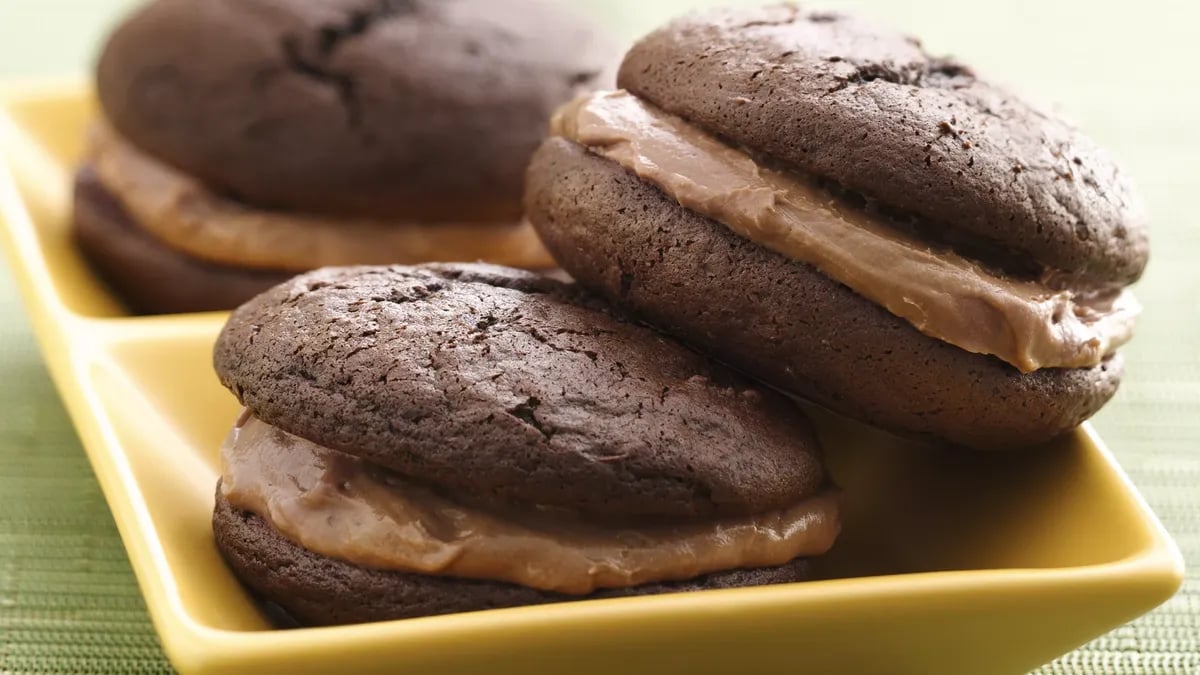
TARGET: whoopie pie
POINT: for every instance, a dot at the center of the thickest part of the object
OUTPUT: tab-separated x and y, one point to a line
239	143
824	205
446	438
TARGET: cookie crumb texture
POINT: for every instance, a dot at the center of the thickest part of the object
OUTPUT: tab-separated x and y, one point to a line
509	386
784	322
387	108
317	590
836	97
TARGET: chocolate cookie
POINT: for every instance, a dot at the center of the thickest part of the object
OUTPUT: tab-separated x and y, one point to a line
784	321
149	276
445	438
827	207
489	381
318	590
869	109
388	108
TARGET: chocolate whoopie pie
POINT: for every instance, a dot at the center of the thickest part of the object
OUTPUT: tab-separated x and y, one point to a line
242	142
827	207
445	438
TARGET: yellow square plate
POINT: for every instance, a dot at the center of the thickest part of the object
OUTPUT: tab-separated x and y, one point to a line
948	563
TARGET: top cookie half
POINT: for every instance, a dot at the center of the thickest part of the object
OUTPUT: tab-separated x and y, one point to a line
387	108
924	137
503	385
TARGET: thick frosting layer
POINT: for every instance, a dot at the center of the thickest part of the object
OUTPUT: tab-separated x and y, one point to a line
346	508
186	215
944	295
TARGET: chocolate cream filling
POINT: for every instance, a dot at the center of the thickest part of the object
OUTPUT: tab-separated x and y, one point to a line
189	217
346	508
1027	323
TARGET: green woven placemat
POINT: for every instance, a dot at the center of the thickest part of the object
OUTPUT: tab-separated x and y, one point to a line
68	601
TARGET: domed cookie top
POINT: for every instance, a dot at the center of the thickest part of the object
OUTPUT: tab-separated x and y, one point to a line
495	383
871	111
393	108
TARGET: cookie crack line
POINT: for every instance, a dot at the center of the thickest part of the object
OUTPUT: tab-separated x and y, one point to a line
526	411
327	38
942	73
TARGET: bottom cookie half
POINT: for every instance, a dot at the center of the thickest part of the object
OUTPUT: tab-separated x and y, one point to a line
784	322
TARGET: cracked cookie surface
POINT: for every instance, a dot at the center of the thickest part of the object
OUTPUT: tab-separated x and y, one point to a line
513	387
390	108
872	112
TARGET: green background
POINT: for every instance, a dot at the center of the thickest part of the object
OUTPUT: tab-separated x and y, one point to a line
1127	73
